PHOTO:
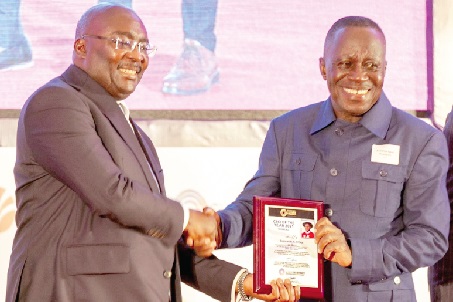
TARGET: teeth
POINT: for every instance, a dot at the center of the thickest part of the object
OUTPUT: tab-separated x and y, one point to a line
128	71
355	91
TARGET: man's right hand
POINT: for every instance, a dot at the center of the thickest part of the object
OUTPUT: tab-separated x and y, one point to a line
282	290
200	232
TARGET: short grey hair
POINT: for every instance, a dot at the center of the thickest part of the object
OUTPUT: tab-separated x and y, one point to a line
351	21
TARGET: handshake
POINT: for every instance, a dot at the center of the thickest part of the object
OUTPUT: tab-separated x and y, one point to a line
203	232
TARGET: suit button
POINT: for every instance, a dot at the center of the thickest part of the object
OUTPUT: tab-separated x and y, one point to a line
397	280
328	212
333	172
167	274
339	132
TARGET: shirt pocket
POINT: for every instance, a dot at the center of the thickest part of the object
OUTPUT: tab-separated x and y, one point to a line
298	174
98	259
382	186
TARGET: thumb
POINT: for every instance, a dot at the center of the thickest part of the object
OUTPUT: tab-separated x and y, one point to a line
209	211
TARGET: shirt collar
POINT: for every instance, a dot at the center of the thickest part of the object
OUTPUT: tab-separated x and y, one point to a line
376	120
124	108
324	118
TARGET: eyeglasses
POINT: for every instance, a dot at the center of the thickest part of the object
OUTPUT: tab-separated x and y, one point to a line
128	45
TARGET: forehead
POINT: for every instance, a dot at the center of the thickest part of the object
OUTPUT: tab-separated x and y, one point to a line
357	40
117	20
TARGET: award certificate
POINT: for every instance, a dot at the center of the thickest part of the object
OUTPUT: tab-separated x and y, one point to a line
284	245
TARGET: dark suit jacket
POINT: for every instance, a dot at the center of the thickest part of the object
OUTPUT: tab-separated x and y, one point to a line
92	222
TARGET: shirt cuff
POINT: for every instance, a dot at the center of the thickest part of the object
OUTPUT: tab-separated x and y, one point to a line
186	216
235	298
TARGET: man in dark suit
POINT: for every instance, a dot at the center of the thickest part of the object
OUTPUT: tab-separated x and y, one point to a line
94	222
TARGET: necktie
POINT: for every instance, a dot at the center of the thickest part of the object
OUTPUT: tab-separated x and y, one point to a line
126	113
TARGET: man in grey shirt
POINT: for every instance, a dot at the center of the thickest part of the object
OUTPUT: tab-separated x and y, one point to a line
381	173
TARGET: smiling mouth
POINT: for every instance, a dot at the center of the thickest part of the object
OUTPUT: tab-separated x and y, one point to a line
128	71
356	91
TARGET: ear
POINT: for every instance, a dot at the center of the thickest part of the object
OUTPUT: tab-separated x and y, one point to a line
80	48
322	68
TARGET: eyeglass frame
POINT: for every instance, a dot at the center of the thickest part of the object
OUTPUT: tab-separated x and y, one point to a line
150	52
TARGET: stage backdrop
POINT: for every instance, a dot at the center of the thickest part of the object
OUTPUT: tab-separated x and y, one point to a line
267	51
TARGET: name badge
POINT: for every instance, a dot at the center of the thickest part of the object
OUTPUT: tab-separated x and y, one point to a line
386	154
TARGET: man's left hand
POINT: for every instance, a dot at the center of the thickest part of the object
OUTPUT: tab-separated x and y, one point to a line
332	243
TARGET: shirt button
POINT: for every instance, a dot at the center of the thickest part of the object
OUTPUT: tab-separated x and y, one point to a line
298	161
328	212
339	131
397	280
333	172
167	274
383	173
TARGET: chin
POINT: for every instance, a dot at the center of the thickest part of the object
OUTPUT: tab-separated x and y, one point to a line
128	90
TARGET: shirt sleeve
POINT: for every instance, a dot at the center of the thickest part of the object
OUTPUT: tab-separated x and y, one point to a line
237	217
186	216
234	296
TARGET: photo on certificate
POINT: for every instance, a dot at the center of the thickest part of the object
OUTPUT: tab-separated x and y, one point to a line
284	245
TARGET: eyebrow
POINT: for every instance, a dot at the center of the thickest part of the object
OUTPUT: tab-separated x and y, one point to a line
355	57
129	35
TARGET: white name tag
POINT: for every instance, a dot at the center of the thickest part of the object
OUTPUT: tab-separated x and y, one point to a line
386	154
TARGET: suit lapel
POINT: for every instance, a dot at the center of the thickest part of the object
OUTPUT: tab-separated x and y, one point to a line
120	123
80	81
153	163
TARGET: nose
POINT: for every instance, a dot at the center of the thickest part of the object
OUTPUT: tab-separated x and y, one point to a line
357	73
136	55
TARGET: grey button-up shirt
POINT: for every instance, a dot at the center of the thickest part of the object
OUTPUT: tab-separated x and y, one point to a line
383	180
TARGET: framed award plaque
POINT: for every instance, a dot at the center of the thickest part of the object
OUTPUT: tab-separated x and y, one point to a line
284	245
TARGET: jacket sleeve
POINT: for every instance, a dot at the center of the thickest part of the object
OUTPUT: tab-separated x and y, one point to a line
63	138
211	276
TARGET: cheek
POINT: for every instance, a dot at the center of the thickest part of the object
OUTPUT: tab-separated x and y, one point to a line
335	77
377	79
145	65
334	83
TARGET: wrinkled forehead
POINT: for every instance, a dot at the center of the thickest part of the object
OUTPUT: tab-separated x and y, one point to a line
353	38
